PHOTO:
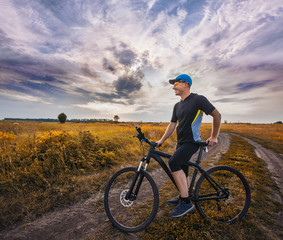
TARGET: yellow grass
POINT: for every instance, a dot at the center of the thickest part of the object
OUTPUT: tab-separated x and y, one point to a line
269	135
43	165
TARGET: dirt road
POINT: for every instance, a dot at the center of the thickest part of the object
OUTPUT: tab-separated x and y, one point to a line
87	217
274	163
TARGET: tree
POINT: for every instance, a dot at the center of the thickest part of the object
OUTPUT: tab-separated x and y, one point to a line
62	117
116	118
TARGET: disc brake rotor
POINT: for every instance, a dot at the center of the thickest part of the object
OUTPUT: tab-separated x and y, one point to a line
123	200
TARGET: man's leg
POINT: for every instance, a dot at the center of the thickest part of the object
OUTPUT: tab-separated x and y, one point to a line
179	171
185	204
182	183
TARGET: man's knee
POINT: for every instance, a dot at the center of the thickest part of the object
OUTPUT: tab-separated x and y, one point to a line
173	165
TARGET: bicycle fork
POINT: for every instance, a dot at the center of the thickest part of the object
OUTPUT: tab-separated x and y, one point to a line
132	194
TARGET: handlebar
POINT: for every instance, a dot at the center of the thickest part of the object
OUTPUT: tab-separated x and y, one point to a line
141	134
142	138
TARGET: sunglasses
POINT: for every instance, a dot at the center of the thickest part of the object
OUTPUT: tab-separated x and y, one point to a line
177	83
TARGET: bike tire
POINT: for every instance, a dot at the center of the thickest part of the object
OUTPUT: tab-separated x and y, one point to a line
126	215
229	209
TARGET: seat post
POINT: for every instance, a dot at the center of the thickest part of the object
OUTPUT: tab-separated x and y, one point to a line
200	154
191	189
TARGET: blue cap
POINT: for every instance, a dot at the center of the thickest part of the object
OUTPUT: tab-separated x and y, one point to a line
183	77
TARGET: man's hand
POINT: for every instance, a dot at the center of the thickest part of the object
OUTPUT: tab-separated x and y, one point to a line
159	143
212	141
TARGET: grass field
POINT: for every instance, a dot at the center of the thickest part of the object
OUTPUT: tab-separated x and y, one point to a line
45	165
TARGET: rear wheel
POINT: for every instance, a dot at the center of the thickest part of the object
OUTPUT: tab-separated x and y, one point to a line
232	203
135	212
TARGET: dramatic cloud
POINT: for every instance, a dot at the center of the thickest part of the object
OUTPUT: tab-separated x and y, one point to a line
126	57
108	66
81	57
128	84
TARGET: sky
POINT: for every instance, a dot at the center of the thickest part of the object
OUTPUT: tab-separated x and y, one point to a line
100	58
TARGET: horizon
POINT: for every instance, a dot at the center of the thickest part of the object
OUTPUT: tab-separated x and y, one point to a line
105	120
97	59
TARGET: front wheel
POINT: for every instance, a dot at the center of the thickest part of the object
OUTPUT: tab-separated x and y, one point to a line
227	205
135	212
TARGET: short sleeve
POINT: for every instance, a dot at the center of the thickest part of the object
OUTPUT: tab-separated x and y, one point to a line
174	115
205	105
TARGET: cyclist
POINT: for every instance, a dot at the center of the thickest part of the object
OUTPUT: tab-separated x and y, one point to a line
188	114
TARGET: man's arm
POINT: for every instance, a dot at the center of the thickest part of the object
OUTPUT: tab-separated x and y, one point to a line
215	127
169	130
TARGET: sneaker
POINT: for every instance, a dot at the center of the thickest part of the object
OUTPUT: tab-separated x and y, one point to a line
175	201
182	209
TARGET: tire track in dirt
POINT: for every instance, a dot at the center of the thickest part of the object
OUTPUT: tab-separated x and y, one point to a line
273	160
274	163
87	218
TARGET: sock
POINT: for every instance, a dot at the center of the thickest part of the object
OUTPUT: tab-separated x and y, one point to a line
186	199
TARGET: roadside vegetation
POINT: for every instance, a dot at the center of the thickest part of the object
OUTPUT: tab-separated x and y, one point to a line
46	165
268	135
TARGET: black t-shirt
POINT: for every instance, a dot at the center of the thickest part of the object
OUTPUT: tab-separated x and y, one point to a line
188	114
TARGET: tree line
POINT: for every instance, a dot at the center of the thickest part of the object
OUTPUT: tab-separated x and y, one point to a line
62	118
56	120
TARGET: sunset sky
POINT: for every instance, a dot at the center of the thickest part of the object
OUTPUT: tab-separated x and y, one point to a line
100	58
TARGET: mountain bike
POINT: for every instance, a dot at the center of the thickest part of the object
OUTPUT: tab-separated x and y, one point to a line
131	198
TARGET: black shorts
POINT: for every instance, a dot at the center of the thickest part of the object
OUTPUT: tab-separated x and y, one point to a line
182	156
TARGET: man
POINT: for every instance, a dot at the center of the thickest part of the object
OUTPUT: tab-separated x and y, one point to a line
188	114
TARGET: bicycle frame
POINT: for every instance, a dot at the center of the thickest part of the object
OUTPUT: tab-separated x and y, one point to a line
156	155
225	188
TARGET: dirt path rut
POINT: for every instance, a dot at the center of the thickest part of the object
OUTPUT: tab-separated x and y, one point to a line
274	163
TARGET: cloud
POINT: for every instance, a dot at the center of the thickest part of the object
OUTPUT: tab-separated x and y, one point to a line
15	95
247	86
87	72
129	83
4	40
108	110
232	100
108	66
125	57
